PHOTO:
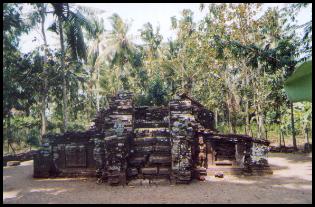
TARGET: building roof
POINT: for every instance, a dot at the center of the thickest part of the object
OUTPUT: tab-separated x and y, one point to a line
234	137
184	95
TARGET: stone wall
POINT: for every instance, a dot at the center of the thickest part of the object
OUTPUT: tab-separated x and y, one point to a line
144	142
67	155
244	154
182	140
118	127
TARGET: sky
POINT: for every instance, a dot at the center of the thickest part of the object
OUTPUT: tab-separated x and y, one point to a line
158	14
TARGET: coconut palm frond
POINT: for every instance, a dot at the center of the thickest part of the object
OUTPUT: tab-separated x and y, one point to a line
82	21
75	41
89	10
61	10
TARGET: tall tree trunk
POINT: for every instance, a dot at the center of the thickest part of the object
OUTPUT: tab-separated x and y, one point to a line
64	84
9	131
9	134
307	143
182	73
247	122
230	122
306	135
256	116
280	121
216	117
283	138
280	138
44	92
266	133
97	89
261	123
229	113
119	81
293	128
246	118
247	106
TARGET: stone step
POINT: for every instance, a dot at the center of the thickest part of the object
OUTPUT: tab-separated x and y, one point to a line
139	129
148	182
157	133
151	140
151	124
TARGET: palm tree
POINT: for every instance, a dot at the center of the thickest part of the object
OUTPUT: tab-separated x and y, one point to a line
153	41
120	48
96	53
71	21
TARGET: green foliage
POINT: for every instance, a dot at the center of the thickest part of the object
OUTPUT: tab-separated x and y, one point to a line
33	138
157	92
230	61
155	95
299	85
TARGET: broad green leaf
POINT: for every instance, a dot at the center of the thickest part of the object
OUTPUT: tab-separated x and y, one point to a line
299	85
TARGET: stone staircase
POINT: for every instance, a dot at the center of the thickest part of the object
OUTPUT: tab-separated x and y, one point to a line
150	154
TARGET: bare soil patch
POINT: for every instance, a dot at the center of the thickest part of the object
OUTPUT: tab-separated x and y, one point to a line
291	182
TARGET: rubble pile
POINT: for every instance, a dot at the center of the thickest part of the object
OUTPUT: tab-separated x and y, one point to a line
19	157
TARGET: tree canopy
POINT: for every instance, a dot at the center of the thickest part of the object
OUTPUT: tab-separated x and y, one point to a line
233	61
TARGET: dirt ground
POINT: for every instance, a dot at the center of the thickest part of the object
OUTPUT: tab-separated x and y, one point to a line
291	182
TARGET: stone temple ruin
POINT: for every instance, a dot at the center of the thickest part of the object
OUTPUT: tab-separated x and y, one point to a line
177	142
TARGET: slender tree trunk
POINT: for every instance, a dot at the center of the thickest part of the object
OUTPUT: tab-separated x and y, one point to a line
266	133
230	123
261	113
306	142
261	123
229	114
246	105
279	137
64	84
9	134
251	131
257	118
293	128
9	130
216	118
118	74
182	71
97	89
306	134
247	117
44	93
280	117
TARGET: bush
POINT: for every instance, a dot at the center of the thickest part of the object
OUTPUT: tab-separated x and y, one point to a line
33	138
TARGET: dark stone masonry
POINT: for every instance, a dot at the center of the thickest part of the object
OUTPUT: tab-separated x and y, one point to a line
177	142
